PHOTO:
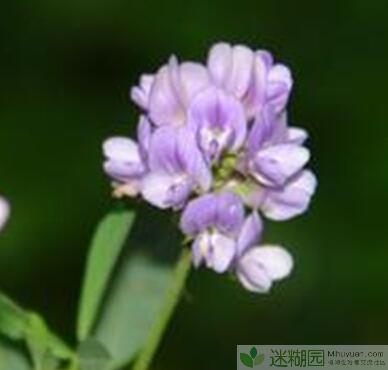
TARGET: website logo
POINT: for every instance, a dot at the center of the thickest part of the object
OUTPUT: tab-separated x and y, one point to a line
251	359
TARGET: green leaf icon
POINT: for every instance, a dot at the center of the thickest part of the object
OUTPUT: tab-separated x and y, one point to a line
253	352
246	359
259	360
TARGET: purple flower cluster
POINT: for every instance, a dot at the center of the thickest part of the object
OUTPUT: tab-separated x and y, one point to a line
213	142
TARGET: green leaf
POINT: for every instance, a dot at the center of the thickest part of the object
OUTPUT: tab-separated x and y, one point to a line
253	352
246	359
12	358
259	360
13	320
21	325
36	339
93	355
105	248
132	307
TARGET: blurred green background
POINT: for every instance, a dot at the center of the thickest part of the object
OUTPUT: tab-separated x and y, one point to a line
65	70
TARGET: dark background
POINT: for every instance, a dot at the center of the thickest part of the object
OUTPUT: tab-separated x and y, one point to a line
65	70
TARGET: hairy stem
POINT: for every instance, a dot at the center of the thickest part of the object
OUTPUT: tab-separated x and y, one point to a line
173	294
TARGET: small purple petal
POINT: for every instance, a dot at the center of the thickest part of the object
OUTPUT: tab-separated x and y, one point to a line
173	154
255	98
262	265
241	75
192	160
269	128
217	250
165	190
174	87
199	214
140	94
231	67
194	78
223	211
221	252
144	131
271	84
165	107
279	86
219	121
274	165
163	156
121	149
123	159
250	233
291	200
229	213
197	248
220	62
179	192
252	277
123	172
297	135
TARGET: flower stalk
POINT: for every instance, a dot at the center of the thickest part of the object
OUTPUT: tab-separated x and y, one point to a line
173	295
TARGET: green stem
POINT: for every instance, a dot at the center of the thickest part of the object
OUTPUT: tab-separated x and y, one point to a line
173	294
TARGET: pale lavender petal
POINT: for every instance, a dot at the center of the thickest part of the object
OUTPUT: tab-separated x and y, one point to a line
163	154
250	233
297	135
140	94
198	248
261	265
123	172
199	214
255	97
221	253
276	260
231	67
266	57
268	128
194	78
240	78
174	151
279	86
179	192
252	277
121	149
4	212
144	132
260	133
271	84
255	195
123	159
165	190
274	165
220	62
291	200
219	121
174	73
192	160
165	107
229	213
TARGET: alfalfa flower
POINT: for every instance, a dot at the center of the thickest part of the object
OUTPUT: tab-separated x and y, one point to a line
214	221
214	143
176	168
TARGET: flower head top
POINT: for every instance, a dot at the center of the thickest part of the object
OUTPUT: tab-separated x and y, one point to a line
214	141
